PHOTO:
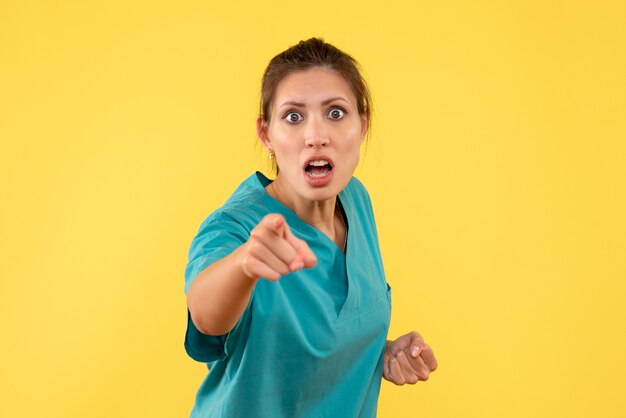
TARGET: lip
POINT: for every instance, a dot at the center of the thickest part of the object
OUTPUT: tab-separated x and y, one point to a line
318	181
318	157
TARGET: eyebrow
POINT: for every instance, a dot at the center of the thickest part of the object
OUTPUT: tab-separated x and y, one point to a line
324	103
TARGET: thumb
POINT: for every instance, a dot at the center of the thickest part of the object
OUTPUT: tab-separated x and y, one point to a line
416	345
409	342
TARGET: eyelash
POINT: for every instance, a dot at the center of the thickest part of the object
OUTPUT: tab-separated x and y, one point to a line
289	112
285	116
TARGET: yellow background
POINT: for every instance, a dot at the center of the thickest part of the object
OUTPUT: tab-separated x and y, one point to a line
496	168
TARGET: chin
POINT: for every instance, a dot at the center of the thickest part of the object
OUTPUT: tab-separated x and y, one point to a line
326	192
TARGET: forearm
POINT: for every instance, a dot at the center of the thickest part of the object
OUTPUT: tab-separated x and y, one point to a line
219	295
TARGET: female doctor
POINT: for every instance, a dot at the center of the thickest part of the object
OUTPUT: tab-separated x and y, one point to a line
287	298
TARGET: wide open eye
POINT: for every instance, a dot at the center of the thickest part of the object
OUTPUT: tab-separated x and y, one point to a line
336	113
293	117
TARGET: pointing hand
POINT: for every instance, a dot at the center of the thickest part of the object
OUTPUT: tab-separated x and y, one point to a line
273	251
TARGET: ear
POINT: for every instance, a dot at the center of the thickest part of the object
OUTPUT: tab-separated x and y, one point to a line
261	133
364	125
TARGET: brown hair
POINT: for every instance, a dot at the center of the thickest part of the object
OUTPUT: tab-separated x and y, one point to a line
310	54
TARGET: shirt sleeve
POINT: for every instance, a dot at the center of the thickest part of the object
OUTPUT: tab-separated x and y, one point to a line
216	238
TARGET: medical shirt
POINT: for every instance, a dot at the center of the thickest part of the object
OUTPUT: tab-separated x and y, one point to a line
308	345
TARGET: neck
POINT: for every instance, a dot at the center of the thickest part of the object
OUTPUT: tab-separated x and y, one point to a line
320	213
323	215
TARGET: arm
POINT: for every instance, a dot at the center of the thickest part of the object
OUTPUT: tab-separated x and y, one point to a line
219	294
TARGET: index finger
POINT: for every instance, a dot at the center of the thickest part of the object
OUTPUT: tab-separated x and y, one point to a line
304	253
276	223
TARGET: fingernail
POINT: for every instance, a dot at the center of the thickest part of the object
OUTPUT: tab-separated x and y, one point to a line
297	266
415	351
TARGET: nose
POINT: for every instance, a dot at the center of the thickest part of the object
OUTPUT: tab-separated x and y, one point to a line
316	133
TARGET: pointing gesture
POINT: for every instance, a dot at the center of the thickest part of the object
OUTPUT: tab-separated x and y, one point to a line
273	251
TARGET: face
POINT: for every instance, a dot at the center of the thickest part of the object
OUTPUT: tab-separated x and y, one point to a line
315	132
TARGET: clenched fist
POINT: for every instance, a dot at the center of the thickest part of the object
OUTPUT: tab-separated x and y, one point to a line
408	360
273	251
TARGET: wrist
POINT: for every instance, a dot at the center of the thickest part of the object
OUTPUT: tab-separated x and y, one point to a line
241	262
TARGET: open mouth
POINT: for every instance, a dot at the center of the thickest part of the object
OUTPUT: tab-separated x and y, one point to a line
318	168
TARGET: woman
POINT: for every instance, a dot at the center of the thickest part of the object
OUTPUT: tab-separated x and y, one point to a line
288	301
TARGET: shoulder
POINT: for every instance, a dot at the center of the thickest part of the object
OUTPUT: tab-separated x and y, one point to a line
355	185
356	192
245	207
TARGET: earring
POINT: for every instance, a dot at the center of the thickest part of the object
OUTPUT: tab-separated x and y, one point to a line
271	155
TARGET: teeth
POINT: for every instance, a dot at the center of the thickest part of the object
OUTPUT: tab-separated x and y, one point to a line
319	163
311	174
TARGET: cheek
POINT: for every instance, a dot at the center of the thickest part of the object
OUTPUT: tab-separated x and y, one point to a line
282	141
352	142
353	131
350	156
287	155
